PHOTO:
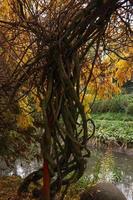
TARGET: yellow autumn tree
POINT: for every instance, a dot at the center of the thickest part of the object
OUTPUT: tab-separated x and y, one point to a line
108	76
60	48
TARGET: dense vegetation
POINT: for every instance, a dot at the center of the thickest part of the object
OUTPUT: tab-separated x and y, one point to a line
114	120
56	56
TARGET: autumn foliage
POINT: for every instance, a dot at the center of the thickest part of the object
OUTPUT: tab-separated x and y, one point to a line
62	55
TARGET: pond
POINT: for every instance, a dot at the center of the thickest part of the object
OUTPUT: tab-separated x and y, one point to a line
115	167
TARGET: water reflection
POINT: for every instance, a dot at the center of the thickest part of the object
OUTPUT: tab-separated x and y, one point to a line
124	170
127	189
21	168
123	163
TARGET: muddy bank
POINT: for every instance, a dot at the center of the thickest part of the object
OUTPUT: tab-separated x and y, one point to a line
118	147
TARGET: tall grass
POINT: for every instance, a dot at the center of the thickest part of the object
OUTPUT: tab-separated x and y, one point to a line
120	103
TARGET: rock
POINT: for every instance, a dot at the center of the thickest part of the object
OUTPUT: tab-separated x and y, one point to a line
103	191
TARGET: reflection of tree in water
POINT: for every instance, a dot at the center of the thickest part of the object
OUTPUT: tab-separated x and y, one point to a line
119	167
60	35
19	168
127	189
4	170
109	171
105	168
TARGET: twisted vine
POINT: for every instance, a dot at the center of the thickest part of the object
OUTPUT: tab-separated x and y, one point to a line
61	34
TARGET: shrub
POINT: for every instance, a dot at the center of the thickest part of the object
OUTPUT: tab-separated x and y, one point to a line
130	109
116	104
101	106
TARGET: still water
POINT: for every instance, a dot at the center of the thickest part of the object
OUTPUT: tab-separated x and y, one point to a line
114	167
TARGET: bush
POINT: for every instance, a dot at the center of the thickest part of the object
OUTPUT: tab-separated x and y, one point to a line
101	106
116	104
130	109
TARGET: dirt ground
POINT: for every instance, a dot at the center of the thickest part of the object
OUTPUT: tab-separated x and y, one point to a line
9	186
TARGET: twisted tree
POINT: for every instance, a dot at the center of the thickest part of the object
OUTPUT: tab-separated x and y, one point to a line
48	43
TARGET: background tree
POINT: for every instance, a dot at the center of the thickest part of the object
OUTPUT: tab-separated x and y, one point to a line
46	44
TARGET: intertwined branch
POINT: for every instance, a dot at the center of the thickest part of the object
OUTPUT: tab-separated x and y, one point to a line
60	34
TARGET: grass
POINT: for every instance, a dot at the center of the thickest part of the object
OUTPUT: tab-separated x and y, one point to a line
113	116
114	119
119	103
121	131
